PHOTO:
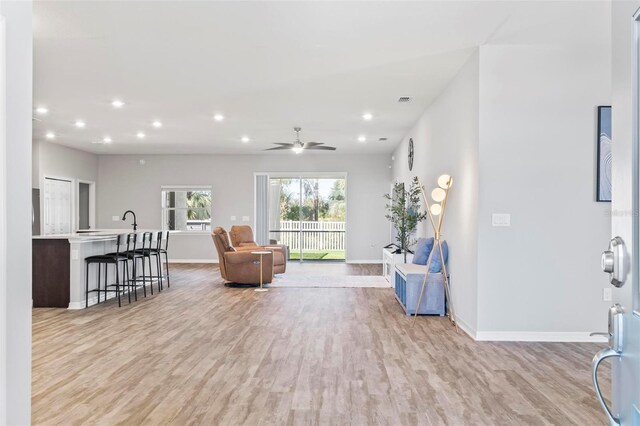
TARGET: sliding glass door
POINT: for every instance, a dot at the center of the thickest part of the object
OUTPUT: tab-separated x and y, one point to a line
309	215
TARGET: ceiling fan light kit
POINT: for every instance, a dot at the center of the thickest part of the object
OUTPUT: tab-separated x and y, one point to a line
298	146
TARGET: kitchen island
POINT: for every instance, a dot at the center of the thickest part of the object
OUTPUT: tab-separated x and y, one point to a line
59	268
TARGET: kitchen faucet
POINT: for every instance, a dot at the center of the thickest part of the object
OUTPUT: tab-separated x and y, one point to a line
135	224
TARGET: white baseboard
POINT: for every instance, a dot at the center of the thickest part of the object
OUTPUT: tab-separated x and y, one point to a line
537	336
462	324
528	336
369	262
93	300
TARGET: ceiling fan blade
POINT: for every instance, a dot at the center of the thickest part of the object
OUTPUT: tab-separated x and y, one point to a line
310	144
282	146
325	148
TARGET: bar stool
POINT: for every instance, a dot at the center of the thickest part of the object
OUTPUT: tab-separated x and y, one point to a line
146	252
117	258
156	252
162	249
141	240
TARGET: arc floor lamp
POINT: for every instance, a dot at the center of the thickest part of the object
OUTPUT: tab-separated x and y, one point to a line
436	213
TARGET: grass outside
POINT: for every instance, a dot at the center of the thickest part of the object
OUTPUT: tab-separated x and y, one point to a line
317	255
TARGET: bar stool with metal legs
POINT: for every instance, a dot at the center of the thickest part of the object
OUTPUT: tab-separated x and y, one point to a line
147	251
163	246
156	252
135	253
134	241
118	258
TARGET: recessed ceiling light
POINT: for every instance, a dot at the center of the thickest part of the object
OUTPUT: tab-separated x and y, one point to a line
117	103
218	117
50	135
140	135
42	110
106	139
80	124
367	116
157	124
245	139
362	138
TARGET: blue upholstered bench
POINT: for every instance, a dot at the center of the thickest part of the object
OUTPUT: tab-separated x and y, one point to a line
408	283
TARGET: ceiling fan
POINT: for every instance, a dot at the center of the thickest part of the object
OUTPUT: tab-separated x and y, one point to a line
299	146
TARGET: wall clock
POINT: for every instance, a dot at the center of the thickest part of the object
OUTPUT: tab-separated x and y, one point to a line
410	156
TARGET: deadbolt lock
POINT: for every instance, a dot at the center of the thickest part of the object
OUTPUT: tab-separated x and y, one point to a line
613	262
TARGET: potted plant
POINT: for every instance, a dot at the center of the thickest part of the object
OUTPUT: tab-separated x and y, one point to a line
403	211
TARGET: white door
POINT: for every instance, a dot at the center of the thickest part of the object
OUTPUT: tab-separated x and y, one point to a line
622	263
57	206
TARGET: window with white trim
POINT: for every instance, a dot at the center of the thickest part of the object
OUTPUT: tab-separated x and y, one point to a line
186	208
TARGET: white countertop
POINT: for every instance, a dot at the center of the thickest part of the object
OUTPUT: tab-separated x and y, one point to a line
94	235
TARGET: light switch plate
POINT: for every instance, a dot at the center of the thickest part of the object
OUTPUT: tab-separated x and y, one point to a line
501	219
115	218
245	218
233	218
607	294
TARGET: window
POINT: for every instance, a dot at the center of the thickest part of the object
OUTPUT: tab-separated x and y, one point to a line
186	208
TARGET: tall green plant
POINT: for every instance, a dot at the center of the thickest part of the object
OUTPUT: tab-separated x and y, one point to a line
403	211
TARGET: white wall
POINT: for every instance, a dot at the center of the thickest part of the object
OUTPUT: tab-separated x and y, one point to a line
15	304
124	184
516	129
537	162
58	161
55	160
446	141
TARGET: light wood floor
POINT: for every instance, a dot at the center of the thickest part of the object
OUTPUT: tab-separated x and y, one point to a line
201	353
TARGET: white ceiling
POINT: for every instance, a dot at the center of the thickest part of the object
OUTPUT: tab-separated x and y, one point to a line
267	66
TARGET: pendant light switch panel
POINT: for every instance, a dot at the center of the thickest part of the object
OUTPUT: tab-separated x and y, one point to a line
501	219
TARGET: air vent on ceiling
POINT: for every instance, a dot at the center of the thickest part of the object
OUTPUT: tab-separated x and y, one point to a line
382	139
404	99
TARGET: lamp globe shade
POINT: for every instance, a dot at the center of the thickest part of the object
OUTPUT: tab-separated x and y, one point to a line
436	209
444	181
438	195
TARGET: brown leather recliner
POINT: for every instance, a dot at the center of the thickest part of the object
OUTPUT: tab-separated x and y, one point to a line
242	239
241	267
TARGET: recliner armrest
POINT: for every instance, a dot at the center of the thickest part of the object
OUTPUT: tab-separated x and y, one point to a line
237	257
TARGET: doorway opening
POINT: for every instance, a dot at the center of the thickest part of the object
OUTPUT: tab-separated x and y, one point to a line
86	203
308	214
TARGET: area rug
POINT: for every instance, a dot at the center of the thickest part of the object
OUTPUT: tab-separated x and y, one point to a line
329	281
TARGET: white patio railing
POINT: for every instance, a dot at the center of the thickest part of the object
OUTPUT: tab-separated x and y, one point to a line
313	236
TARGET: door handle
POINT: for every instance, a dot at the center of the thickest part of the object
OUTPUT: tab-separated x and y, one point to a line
601	356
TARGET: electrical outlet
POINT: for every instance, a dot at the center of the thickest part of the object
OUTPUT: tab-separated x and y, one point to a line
500	219
607	294
115	218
